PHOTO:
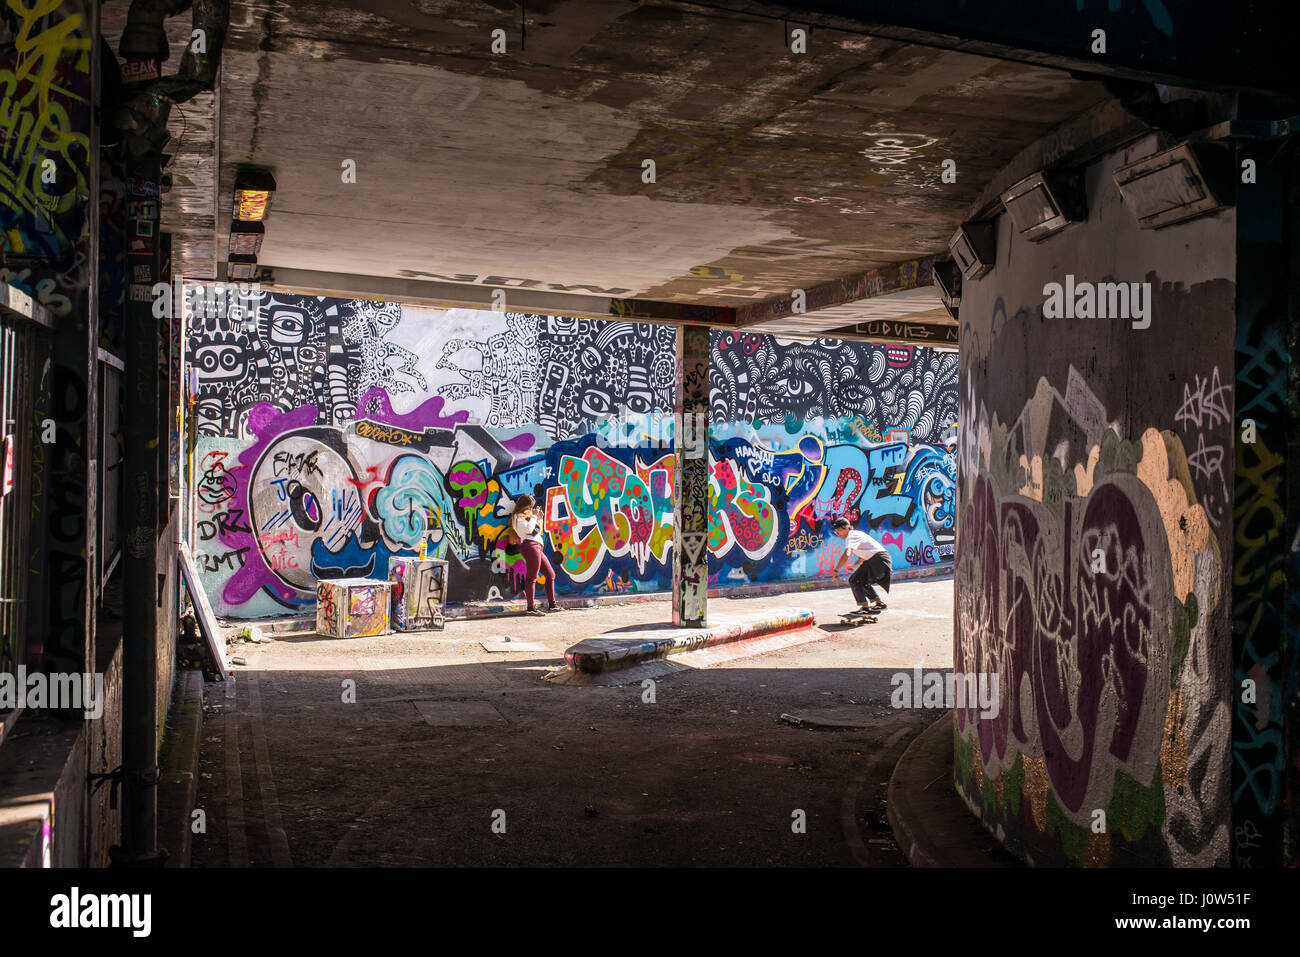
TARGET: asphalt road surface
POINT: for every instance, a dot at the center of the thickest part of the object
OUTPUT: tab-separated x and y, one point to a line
454	756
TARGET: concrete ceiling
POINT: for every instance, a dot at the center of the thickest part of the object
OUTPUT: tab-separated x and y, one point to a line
918	305
523	170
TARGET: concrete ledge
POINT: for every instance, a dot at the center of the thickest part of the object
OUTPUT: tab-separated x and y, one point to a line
516	606
457	612
179	768
931	823
595	655
42	768
494	609
758	589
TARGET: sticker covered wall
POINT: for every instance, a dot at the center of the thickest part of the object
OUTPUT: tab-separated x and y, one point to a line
333	436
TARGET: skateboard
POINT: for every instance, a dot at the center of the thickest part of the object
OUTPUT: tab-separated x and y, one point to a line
858	617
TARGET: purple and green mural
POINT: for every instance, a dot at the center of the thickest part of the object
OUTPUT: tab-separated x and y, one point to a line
333	435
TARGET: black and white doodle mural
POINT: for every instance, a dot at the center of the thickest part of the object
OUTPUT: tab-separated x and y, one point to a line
593	369
291	351
772	381
500	369
382	363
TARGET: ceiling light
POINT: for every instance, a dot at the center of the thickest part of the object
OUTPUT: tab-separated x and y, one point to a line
1046	202
972	246
253	189
1190	180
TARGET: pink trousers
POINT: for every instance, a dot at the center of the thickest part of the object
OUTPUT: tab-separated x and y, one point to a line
535	560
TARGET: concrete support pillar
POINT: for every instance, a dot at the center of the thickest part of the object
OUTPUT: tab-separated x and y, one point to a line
691	479
141	485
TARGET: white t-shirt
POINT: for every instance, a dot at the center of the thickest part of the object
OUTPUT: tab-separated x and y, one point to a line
862	545
527	527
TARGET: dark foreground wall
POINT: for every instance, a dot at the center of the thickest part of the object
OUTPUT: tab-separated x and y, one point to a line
334	434
1094	547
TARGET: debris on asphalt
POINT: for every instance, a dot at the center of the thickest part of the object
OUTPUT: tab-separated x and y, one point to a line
254	634
830	719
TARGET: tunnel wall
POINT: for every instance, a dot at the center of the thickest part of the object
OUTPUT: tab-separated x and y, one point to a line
1094	542
326	429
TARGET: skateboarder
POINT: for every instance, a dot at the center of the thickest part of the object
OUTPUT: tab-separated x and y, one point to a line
873	565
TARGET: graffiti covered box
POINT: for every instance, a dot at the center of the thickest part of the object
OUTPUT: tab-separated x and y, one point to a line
352	607
419	588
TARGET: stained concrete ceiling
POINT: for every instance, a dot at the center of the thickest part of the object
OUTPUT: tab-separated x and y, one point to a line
524	170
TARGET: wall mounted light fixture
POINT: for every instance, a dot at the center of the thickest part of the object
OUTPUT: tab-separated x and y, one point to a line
948	278
1178	184
245	238
253	191
1046	202
973	247
241	267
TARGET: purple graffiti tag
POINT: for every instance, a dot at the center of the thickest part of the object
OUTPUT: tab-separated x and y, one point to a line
267	423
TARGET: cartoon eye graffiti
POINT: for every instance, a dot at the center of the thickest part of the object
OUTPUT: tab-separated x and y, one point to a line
794	385
303	507
219	361
639	402
595	402
288	328
210	410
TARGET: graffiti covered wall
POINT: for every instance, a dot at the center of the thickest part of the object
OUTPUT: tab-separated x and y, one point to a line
333	435
804	432
46	182
45	162
1093	544
1266	542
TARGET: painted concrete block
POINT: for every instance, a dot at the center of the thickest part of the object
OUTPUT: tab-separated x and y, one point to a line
352	607
419	590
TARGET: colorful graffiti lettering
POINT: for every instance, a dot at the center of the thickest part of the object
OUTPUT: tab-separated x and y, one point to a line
904	495
1088	582
741	514
337	487
604	508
